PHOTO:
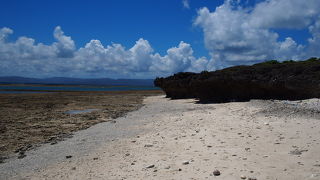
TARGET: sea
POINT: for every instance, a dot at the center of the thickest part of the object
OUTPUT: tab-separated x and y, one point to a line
19	89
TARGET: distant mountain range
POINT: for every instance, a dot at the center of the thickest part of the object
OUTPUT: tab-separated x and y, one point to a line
77	81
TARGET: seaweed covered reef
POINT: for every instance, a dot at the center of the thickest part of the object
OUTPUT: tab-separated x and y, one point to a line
290	80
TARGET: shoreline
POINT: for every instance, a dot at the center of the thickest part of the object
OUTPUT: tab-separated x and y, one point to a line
29	120
180	139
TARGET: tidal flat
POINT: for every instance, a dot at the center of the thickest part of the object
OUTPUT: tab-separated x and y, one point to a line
29	120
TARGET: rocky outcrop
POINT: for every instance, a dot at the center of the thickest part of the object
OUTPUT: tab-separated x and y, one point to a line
291	80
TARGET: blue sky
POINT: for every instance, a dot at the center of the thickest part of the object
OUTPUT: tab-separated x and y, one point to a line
145	39
164	23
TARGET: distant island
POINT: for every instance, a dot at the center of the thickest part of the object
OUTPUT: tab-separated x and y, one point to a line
76	81
290	80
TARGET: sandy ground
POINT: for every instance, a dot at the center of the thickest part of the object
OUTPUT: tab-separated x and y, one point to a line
180	139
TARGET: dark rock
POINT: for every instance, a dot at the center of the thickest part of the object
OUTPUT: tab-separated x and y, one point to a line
68	157
150	166
2	159
216	173
290	80
185	162
21	155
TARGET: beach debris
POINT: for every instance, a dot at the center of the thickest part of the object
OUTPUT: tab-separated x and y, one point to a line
297	152
185	162
243	177
68	156
216	172
179	169
266	123
148	145
133	141
150	166
127	154
167	167
95	158
132	163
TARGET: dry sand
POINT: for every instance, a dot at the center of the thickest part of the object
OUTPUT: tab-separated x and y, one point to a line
180	139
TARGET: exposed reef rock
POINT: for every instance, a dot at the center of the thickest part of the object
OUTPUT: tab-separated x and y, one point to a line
291	80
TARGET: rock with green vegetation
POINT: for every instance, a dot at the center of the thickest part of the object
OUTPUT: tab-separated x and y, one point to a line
291	80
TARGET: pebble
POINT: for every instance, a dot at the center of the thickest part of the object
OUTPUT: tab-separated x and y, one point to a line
69	156
243	177
150	166
216	172
185	162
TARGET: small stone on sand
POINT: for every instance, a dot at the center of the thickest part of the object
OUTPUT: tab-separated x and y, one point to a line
150	166
185	162
216	172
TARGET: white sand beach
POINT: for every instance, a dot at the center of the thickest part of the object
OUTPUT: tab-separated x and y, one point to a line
181	139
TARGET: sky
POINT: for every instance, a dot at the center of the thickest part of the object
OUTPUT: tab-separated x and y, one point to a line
148	39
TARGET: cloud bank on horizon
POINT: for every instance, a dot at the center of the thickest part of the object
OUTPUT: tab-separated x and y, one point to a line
234	34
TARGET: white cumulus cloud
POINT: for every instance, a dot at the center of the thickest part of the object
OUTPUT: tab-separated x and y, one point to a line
243	35
61	58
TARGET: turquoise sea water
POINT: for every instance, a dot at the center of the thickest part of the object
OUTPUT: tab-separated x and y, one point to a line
27	89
